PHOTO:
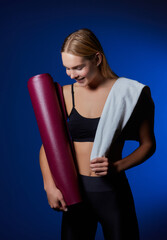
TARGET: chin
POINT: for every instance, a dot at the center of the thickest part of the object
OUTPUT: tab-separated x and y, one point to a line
83	84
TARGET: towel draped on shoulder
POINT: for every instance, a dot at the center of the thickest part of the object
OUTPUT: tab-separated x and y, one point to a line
127	103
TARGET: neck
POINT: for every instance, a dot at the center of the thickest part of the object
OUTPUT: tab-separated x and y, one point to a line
96	82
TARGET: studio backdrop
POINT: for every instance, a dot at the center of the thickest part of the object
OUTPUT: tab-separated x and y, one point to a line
134	36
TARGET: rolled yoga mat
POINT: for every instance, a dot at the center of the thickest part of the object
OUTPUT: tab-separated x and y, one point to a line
48	104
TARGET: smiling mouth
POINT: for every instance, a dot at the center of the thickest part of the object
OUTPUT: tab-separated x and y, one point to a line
79	79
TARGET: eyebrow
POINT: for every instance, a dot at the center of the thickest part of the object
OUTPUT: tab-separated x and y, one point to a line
75	66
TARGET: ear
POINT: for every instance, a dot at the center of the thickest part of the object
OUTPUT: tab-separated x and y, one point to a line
98	58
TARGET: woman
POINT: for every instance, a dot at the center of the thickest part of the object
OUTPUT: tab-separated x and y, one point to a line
104	187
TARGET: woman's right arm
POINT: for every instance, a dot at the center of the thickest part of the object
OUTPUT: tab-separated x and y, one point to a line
54	195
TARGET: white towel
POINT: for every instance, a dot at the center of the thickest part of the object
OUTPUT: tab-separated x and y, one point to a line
117	110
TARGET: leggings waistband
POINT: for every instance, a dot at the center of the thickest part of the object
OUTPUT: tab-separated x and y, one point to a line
98	184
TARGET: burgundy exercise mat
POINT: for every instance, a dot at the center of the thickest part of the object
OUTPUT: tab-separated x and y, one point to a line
48	104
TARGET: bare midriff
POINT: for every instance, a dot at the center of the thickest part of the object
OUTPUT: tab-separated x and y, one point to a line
97	98
83	152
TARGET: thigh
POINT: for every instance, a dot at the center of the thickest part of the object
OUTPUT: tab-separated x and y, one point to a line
109	215
116	212
118	220
128	218
79	223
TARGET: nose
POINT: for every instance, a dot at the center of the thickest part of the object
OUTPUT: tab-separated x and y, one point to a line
73	74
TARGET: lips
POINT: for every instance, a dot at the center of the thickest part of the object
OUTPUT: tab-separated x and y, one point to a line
80	79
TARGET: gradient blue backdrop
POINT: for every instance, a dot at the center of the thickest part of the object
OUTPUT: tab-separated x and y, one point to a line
134	37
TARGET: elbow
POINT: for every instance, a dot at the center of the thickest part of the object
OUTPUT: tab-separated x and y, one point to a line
151	147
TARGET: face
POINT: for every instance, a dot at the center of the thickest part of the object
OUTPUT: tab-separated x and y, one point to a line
82	70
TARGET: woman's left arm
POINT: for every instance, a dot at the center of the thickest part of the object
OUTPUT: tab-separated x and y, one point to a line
145	150
141	128
147	146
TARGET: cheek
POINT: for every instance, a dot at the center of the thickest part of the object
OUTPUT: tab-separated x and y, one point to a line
85	72
90	72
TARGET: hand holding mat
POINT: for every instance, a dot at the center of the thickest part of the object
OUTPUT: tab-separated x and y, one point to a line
48	104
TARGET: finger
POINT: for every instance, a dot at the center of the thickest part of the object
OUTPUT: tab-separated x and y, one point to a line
94	160
101	173
63	204
103	164
54	206
99	160
103	157
95	165
56	209
64	210
100	169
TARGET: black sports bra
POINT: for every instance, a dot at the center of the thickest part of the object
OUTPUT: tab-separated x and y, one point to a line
81	129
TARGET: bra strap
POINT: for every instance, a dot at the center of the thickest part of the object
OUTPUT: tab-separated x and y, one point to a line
72	91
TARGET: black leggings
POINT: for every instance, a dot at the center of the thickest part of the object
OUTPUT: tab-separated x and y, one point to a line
107	200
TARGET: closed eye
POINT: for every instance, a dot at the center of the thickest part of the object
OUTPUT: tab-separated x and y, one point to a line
79	68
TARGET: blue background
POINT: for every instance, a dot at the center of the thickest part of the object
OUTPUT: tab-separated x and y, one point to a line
134	37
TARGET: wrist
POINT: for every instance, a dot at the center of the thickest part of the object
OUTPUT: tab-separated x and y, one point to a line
117	166
49	185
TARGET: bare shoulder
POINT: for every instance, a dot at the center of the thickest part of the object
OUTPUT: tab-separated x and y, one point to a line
67	97
66	90
66	87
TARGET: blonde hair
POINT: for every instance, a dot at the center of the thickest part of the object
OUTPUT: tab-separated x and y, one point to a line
85	44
